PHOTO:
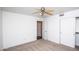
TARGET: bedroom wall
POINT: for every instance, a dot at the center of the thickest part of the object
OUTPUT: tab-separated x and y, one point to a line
0	29
54	31
70	15
45	29
18	29
53	28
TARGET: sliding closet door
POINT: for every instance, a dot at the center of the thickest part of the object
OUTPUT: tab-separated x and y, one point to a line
68	31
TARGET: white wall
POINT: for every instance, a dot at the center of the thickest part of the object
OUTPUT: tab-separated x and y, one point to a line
18	29
0	29
45	29
40	19
54	30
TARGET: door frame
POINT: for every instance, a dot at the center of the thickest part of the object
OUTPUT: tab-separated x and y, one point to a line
41	27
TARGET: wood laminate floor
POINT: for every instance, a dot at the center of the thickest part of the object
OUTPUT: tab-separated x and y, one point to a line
41	45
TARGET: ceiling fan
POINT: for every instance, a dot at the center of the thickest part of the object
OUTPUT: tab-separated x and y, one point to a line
42	11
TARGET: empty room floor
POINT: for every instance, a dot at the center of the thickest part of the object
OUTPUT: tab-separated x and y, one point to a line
41	45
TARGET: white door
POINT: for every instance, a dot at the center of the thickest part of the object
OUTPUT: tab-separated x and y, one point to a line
68	31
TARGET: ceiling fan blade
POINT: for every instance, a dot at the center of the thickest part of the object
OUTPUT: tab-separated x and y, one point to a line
49	10
48	13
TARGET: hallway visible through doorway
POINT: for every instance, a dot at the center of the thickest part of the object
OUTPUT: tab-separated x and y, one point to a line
39	30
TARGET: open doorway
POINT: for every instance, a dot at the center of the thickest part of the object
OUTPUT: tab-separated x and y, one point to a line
39	30
77	33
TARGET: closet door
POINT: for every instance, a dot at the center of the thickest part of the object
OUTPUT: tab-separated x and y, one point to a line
68	31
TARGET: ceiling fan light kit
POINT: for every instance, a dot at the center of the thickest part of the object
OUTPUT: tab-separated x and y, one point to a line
42	11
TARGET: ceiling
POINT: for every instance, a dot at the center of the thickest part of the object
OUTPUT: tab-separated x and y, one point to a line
31	10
